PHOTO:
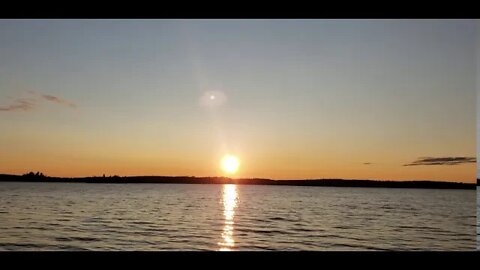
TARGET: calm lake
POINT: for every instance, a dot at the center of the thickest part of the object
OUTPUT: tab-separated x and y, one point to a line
478	219
71	216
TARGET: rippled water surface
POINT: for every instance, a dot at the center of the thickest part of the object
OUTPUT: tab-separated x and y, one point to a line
478	218
68	216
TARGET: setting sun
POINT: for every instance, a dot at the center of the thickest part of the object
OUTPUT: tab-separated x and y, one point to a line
239	135
230	164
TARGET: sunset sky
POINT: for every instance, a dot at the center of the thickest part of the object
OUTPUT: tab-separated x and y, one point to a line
292	99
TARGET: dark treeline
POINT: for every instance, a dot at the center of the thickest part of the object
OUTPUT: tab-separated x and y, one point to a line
39	177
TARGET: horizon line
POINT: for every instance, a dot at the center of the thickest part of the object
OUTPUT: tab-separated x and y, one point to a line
246	178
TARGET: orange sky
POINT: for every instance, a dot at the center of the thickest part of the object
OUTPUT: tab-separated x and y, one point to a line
294	99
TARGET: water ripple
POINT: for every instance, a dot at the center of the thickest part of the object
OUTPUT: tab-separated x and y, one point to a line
55	216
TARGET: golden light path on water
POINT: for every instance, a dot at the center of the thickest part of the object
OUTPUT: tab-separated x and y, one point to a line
229	204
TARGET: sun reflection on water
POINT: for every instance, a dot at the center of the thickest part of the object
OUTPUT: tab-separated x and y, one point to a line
229	203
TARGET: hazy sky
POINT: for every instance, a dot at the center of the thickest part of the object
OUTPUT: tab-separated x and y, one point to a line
295	98
477	49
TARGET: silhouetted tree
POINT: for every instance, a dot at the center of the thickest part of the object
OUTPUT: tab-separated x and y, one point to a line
34	175
30	174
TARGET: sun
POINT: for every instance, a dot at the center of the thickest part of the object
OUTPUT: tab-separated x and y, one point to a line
230	164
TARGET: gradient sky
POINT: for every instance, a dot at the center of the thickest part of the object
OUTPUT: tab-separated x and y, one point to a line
353	99
477	49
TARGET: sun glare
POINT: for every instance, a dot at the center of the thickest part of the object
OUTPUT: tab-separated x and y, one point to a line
230	164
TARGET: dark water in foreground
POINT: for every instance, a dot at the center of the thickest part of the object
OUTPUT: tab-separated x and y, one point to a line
478	219
63	216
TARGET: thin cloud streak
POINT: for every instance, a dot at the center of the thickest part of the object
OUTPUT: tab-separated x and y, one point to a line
20	104
27	104
442	161
59	100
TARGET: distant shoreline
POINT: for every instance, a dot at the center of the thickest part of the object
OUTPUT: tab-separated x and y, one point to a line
224	180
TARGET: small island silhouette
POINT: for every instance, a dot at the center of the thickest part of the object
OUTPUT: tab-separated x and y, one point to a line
115	179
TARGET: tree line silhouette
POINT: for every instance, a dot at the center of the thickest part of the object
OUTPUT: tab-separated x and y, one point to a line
115	179
34	175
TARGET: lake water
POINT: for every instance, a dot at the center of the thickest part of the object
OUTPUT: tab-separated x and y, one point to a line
68	216
478	219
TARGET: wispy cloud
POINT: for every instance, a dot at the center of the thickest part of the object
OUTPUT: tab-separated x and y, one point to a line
27	104
442	161
59	100
367	163
19	104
